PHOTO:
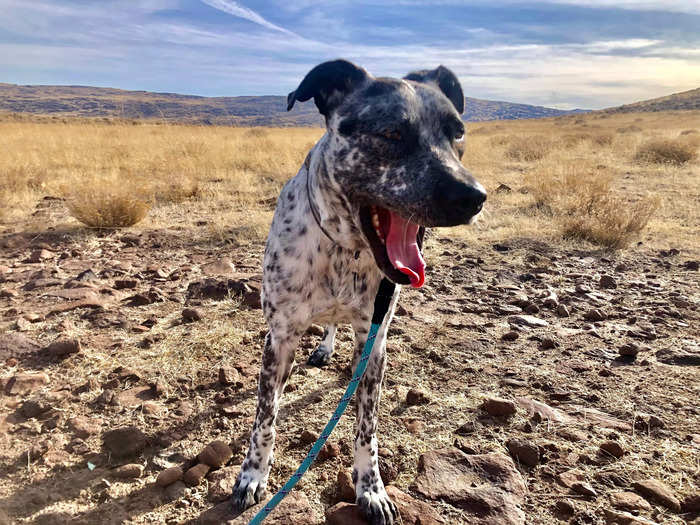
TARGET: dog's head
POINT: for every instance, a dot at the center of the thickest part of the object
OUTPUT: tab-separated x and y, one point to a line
394	147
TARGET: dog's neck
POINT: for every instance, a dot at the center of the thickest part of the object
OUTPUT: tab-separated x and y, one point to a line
331	208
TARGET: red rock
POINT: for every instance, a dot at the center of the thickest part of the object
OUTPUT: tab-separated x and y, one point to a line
612	448
125	441
413	511
542	410
417	397
585	489
221	483
215	454
26	383
293	510
84	427
190	315
691	503
169	476
569	477
328	451
228	376
487	487
524	451
63	347
130	471
345	514
498	407
629	501
658	492
345	488
613	517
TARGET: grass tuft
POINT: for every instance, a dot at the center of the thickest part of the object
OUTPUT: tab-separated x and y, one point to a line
105	207
666	151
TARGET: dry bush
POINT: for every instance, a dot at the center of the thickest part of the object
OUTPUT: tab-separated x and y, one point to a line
529	149
629	129
106	205
603	139
689	132
586	207
666	151
499	140
570	140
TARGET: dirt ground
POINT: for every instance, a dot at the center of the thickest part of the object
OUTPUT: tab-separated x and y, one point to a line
142	365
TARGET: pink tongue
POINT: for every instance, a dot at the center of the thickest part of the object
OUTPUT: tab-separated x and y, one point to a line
403	251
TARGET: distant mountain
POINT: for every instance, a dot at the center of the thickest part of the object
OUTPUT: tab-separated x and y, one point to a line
678	101
83	101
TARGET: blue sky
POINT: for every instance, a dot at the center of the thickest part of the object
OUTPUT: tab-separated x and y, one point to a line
560	53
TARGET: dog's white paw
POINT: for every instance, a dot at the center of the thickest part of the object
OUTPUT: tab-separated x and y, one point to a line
377	507
248	490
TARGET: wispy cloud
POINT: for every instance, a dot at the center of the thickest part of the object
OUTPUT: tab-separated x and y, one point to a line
235	9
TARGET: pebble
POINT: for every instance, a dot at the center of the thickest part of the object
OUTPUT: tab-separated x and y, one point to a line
328	451
195	475
565	506
498	407
691	503
629	501
84	427
125	441
168	476
228	376
174	491
130	471
190	315
215	454
612	448
307	437
344	486
63	347
628	350
417	397
524	451
510	336
527	320
607	281
595	315
584	489
658	492
562	311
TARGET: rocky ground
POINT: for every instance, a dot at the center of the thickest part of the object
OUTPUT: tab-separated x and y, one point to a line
527	383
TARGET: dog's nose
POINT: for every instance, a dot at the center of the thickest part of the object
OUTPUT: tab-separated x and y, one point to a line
459	200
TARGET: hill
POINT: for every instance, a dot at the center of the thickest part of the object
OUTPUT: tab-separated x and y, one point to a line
93	102
687	100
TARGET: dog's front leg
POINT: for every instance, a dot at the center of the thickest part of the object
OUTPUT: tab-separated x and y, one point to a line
322	355
370	494
277	361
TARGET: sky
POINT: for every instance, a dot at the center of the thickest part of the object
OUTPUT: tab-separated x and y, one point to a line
558	53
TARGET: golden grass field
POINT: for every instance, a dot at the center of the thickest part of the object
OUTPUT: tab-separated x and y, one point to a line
596	177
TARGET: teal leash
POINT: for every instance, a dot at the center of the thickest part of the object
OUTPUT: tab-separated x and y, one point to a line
381	307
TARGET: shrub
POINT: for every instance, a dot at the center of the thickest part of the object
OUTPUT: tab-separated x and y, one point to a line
629	129
107	208
689	132
664	151
529	149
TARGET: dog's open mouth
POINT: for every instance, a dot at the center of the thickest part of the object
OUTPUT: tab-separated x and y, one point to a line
396	244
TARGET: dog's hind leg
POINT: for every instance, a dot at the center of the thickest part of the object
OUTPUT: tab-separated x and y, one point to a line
322	355
370	494
277	361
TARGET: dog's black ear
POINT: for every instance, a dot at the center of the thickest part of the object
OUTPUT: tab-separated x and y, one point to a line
328	83
445	80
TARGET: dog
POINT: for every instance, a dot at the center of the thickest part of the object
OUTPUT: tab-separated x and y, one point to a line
387	167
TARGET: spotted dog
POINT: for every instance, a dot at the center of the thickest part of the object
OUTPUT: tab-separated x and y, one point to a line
387	167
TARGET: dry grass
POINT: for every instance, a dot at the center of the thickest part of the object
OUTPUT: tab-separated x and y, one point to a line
667	151
573	178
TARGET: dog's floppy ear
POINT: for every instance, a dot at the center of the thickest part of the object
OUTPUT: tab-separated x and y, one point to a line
445	80
328	83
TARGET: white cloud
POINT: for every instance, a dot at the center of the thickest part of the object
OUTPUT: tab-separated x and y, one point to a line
235	9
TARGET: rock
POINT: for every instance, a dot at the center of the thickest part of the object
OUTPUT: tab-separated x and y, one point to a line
466	446
628	350
387	471
221	483
125	284
215	454
221	267
316	330
38	256
195	475
345	514
307	437
174	491
16	345
345	487
647	422
125	441
607	281
487	487
413	511
542	411
134	397
130	471
417	397
328	451
293	510
63	347
524	451
547	343
629	501
691	504
498	407
658	492
413	425
678	357
595	315
583	488
190	315
33	408
569	477
228	376
562	311
613	517
566	507
692	265
512	335
612	448
26	383
527	320
84	427
169	476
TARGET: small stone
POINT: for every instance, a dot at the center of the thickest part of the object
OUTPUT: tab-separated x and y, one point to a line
548	343
417	397
658	492
512	335
595	315
414	426
629	501
345	486
328	451
221	483
195	475
387	471
174	491
168	476
125	441
466	446
584	489
228	376
566	507
344	513
498	407
691	504
628	350
63	347
33	408
385	452
130	471
524	451
607	281
38	256
215	454
84	427
26	383
190	315
316	330
527	320
612	448
125	284
307	437
614	517
562	311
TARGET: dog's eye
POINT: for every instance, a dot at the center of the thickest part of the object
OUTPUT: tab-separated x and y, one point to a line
392	134
459	138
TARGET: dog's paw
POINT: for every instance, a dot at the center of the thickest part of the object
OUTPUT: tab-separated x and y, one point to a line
320	357
378	508
247	491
